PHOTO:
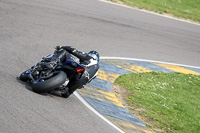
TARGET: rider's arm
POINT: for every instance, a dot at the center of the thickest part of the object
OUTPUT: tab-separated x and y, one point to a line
81	55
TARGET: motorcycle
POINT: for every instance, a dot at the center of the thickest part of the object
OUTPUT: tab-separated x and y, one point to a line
65	76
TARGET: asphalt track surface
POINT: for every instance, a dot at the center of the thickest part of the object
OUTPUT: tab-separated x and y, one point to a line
29	29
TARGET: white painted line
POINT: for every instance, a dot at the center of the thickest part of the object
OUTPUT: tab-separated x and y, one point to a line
149	12
97	113
124	58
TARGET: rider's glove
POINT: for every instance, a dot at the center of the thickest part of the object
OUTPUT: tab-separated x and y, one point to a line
58	49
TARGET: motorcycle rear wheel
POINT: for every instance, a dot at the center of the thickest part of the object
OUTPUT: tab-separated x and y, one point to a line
50	84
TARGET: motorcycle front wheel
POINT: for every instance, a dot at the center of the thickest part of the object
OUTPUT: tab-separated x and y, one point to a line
45	85
24	75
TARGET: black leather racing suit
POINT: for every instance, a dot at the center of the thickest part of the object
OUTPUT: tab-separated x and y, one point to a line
66	52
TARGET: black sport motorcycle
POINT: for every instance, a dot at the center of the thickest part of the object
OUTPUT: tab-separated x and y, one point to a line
64	76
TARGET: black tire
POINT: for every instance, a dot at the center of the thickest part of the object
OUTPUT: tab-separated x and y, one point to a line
50	84
24	76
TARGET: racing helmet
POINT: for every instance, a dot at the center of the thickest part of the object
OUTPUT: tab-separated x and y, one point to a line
94	55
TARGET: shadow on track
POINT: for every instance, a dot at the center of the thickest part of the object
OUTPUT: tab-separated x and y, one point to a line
28	87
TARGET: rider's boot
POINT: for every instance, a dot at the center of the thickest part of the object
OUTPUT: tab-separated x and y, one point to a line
65	92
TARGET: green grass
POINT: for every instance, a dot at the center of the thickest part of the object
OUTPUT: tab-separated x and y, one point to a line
188	9
171	100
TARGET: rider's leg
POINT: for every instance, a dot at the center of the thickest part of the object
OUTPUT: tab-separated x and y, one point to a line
81	55
77	84
61	55
87	76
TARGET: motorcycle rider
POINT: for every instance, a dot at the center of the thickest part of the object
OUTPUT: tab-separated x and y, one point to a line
89	61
